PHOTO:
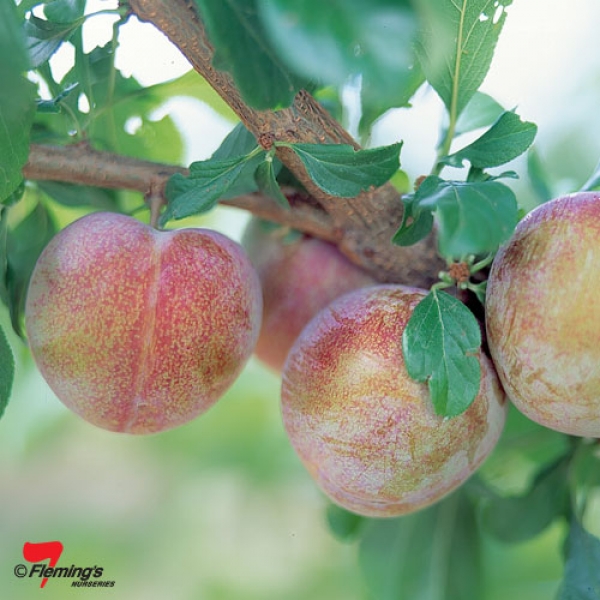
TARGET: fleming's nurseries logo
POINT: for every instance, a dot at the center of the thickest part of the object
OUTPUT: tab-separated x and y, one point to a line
38	553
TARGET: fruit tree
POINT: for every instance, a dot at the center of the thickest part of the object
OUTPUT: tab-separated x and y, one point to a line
434	335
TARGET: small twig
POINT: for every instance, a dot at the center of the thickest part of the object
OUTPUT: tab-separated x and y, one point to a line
155	200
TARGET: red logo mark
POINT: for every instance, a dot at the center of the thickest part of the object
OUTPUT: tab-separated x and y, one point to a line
43	551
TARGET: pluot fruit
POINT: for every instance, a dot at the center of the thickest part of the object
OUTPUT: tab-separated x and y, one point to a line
367	432
299	277
543	315
139	330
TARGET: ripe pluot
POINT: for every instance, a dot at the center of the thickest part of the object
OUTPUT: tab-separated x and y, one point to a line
367	432
543	314
139	330
299	277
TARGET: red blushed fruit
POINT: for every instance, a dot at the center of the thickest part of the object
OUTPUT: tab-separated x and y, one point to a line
299	278
139	330
543	315
366	431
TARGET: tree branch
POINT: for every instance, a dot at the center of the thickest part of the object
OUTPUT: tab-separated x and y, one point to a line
364	225
81	164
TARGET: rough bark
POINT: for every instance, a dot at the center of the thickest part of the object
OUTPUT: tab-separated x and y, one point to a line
81	164
362	227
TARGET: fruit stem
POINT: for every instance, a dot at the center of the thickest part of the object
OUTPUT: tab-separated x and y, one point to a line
478	289
441	285
155	202
484	262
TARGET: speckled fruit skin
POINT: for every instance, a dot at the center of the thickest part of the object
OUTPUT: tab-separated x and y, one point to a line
298	280
543	315
365	431
139	330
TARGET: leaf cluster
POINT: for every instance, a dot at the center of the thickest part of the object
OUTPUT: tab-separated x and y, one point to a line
240	166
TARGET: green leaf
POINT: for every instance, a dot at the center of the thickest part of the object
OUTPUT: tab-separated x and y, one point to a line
4	295
7	371
441	345
16	195
25	243
69	194
477	175
17	102
267	182
341	171
401	181
458	42
191	85
374	106
25	6
239	141
331	42
343	524
43	38
207	182
508	138
539	177
53	105
481	111
416	224
473	217
155	139
115	101
434	553
593	182
582	558
64	11
242	48
585	468
519	518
